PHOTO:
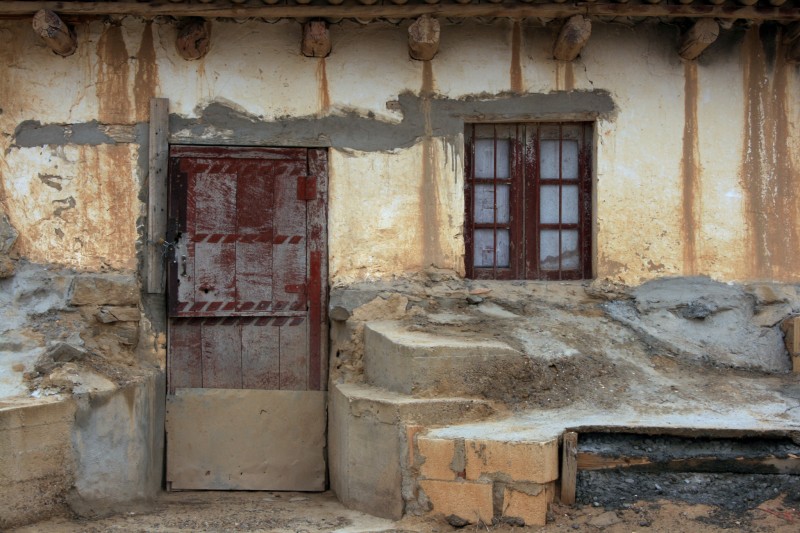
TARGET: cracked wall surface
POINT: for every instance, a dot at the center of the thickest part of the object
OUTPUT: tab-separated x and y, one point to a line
694	165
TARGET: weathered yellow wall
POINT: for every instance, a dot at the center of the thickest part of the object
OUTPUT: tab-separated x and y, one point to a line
74	205
695	170
390	211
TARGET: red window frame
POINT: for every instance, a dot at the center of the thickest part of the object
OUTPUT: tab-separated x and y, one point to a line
524	226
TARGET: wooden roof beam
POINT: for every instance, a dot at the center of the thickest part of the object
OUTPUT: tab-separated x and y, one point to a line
572	38
55	32
231	9
194	38
316	39
697	38
423	38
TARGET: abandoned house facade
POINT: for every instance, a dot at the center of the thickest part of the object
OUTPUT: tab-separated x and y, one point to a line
396	249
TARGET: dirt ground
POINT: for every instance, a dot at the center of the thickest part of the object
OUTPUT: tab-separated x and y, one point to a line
286	512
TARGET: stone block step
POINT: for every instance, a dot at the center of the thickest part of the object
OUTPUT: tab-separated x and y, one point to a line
370	442
413	362
481	479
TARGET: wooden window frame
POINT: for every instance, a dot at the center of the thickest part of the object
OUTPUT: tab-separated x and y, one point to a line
525	182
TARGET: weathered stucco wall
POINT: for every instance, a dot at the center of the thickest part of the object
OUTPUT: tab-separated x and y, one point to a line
695	162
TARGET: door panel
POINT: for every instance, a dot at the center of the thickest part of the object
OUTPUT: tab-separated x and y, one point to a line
229	451
246	306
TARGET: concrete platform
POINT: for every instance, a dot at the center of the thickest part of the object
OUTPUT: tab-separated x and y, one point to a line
93	453
550	358
406	450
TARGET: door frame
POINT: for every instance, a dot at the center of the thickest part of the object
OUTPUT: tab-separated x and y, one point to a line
311	463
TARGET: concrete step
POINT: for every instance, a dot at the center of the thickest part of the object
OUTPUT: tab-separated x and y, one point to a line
414	362
371	435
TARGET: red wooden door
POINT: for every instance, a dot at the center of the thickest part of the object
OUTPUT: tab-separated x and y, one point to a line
246	290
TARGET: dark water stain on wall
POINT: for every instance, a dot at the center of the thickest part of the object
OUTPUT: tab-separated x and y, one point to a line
767	170
785	238
322	82
429	188
517	86
690	171
146	78
112	77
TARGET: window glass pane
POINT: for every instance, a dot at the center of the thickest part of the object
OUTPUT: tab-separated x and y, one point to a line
485	201
549	250
484	248
484	158
569	204
570	257
548	204
548	159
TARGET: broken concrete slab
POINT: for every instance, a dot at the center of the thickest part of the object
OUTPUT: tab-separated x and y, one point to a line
71	378
703	321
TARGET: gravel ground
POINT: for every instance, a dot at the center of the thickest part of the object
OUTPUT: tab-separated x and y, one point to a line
317	513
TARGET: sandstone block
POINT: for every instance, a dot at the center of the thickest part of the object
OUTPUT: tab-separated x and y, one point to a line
468	500
7	267
105	289
535	462
438	457
529	505
109	314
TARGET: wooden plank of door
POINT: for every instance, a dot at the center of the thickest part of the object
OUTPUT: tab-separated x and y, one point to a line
185	362
294	355
289	252
222	354
255	210
260	355
318	269
215	272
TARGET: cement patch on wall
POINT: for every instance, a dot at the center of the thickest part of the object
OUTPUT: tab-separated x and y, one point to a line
118	445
